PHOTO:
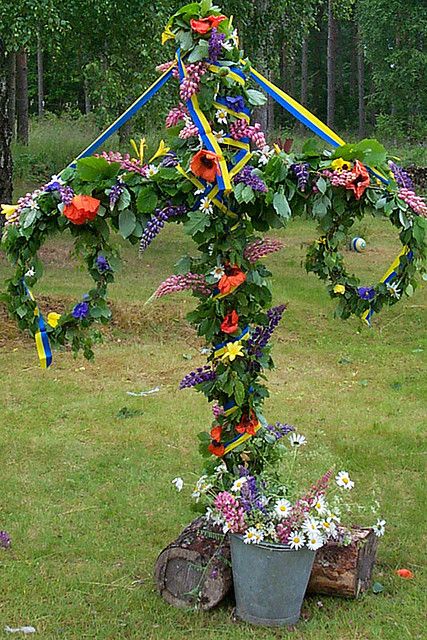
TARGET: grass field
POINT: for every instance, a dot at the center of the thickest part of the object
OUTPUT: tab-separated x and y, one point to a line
86	494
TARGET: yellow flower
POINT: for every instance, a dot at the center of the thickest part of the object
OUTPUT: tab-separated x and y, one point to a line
233	349
139	152
167	34
277	149
339	288
341	165
8	210
53	319
161	151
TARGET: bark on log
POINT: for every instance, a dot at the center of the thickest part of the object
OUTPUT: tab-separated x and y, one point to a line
195	569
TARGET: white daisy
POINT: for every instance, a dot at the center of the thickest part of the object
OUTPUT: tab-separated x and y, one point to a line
333	515
379	528
226	528
199	192
151	170
297	440
220	470
283	508
264	155
201	487
235	38
30	273
213	516
238	484
253	536
393	290
311	526
218	272
219	135
206	206
179	483
314	541
329	527
221	116
319	504
343	480
296	540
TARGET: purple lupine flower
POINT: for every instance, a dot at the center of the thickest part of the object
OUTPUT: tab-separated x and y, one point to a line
80	311
170	160
236	103
215	45
262	334
115	193
157	222
5	540
279	429
217	411
401	176
102	264
201	374
300	170
54	184
250	498
67	195
366	293
250	179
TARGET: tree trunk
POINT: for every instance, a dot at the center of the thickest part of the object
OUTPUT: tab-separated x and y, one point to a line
87	101
361	86
11	91
195	568
22	96
5	135
331	65
304	72
40	77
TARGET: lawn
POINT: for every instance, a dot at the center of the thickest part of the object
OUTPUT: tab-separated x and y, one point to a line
86	484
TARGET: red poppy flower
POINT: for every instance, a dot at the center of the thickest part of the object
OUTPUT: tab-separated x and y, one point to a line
205	165
81	209
232	278
216	433
405	573
216	449
360	180
230	324
248	424
204	25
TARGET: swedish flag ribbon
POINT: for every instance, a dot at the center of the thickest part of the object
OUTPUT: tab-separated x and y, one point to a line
42	341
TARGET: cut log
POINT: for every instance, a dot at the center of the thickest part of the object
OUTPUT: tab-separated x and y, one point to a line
345	571
195	569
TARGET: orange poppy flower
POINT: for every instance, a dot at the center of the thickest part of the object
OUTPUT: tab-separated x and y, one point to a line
248	424
405	573
230	324
216	433
232	278
205	165
360	180
81	209
216	449
204	25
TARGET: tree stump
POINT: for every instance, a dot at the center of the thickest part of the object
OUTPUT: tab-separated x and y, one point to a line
345	571
195	569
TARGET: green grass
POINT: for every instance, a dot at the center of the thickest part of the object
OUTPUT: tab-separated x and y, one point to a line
87	497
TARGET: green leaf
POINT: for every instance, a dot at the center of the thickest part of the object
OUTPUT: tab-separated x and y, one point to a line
239	392
124	200
197	221
127	222
321	185
147	200
256	98
183	265
281	205
200	52
27	219
93	169
185	39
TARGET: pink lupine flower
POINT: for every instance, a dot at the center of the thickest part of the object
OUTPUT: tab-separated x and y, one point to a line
189	131
175	115
261	247
191	83
417	203
239	129
257	136
187	282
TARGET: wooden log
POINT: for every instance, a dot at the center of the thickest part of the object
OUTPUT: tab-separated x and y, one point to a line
195	569
345	571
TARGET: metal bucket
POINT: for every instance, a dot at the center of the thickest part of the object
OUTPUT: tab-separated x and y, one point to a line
270	581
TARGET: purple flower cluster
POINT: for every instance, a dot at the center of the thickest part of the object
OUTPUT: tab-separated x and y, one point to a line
170	160
279	430
201	374
5	540
262	334
80	311
300	170
102	264
67	195
215	45
366	293
250	497
53	185
125	162
235	103
400	175
186	282
115	193
250	179
157	222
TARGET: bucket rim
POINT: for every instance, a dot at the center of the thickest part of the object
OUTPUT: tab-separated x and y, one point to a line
271	545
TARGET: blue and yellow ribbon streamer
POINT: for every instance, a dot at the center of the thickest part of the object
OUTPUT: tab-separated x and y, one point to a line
42	341
220	349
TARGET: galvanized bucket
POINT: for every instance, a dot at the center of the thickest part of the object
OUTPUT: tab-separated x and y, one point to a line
270	581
